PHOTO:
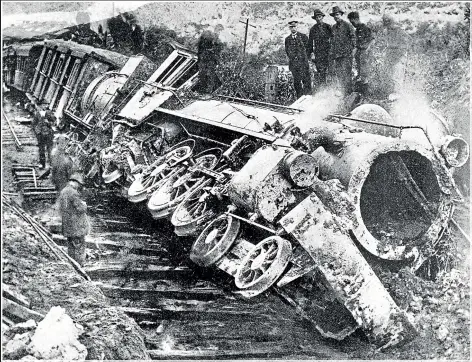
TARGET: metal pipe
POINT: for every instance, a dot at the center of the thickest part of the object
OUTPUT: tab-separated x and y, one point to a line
464	234
252	223
259	102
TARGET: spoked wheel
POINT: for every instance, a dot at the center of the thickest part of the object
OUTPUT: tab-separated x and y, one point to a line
177	187
199	207
193	212
215	240
111	174
180	152
263	265
146	182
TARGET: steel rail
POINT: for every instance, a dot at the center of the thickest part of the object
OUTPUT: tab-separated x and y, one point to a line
43	233
17	141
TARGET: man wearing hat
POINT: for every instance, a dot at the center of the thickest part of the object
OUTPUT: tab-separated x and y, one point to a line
396	43
75	223
343	43
42	127
298	49
209	51
61	163
364	39
319	39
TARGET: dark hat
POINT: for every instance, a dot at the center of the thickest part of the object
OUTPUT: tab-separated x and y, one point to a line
77	177
387	19
293	22
317	12
50	116
353	15
336	9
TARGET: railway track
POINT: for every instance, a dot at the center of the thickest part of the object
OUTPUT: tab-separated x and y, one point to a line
14	131
184	311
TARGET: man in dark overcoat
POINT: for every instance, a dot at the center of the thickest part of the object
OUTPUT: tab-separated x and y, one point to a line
209	51
343	44
75	223
364	40
320	42
61	164
298	49
42	127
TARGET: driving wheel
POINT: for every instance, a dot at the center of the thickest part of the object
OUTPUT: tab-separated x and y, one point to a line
177	187
263	265
111	174
193	213
146	182
215	240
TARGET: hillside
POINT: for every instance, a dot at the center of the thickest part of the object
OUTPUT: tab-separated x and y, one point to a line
270	18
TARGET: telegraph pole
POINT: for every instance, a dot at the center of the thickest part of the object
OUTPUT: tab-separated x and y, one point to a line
245	35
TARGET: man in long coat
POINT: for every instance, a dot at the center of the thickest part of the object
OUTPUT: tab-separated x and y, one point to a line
75	223
320	43
42	127
343	44
298	49
364	40
209	51
61	164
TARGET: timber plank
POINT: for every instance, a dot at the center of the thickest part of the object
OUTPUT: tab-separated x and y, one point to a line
161	292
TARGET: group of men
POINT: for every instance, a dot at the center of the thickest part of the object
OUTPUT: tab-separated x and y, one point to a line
332	49
55	158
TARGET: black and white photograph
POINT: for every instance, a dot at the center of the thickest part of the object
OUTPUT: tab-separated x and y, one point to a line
235	180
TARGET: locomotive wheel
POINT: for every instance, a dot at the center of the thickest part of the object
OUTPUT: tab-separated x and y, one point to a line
176	188
215	240
167	197
146	182
111	176
180	152
193	213
263	265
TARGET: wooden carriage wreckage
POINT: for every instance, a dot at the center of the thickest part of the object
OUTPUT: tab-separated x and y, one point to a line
276	204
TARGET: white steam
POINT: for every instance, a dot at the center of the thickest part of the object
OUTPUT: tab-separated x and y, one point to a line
323	103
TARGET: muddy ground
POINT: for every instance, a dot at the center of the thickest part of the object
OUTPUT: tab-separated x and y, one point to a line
440	308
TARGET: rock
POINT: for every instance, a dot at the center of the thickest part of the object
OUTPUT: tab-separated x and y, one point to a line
415	306
432	300
56	337
18	346
27	326
463	314
442	333
448	352
28	358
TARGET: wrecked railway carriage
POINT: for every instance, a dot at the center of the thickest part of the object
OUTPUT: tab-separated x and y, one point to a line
274	198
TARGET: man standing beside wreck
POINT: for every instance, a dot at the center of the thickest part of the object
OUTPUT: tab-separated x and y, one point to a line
209	50
320	38
343	44
75	223
42	127
61	164
298	48
364	39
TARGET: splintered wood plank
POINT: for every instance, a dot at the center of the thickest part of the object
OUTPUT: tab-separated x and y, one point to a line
19	312
246	350
107	270
161	292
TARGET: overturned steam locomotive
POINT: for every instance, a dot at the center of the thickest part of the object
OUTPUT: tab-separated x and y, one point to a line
277	197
